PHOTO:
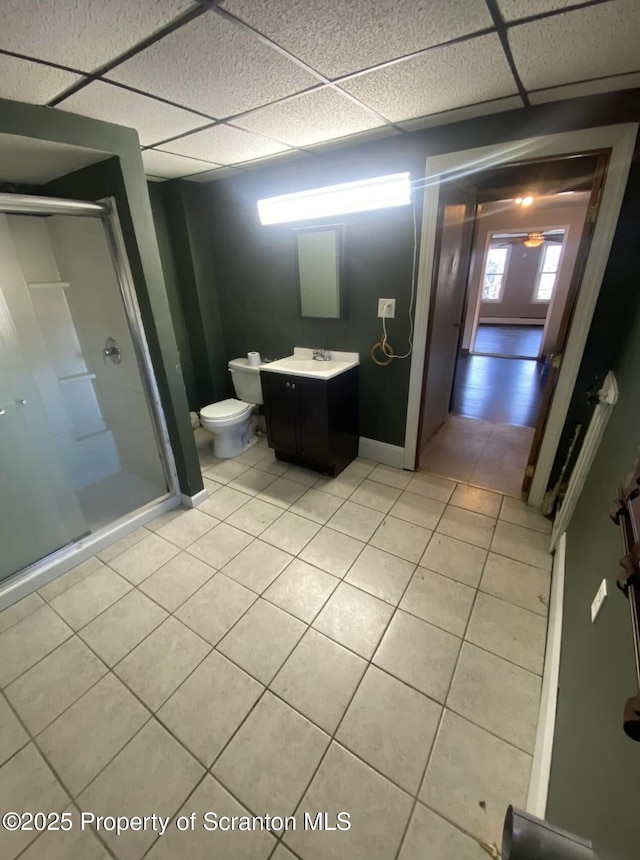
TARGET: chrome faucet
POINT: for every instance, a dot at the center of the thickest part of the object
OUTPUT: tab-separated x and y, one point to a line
321	355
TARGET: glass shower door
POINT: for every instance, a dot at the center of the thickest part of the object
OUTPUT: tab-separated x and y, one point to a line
80	449
39	511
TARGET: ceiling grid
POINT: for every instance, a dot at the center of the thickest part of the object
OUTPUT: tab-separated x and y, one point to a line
217	86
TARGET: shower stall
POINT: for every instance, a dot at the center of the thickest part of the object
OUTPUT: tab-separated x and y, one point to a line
84	451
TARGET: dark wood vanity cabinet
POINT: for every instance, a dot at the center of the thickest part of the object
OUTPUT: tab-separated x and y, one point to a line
312	422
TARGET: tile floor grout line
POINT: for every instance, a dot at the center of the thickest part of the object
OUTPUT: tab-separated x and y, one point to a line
416	797
435	738
333	738
70	795
259	595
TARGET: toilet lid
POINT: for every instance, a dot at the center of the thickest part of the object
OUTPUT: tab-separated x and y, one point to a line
224	409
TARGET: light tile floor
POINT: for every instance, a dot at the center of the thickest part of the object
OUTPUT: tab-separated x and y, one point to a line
370	644
484	453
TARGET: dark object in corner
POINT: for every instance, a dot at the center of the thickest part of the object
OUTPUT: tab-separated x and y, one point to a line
626	513
526	837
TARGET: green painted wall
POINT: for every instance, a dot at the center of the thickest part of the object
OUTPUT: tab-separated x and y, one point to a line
174	290
257	277
254	265
122	177
593	787
595	768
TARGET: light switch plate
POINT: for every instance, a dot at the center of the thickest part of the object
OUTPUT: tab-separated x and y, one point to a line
598	600
384	310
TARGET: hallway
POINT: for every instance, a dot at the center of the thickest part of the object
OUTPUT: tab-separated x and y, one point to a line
517	341
502	390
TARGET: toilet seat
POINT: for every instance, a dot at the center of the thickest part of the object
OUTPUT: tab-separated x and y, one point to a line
225	409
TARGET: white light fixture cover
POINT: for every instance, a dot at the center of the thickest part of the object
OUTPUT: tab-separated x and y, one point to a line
379	193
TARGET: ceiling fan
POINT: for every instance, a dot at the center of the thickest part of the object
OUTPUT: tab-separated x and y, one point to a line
532	240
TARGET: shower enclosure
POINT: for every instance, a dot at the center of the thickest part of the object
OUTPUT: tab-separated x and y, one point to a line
82	438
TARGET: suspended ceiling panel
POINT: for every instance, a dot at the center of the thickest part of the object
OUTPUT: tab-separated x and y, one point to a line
588	88
437	80
463	113
336	37
23	81
169	166
322	115
34	162
576	46
215	67
83	34
217	173
154	121
512	10
224	145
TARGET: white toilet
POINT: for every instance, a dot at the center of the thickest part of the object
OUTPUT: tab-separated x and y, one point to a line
230	421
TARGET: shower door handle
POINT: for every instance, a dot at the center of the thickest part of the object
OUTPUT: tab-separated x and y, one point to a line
3	411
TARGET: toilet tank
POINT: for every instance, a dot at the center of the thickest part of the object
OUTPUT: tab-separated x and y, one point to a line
246	380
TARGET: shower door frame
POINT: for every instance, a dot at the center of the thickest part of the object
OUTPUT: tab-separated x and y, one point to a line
48	568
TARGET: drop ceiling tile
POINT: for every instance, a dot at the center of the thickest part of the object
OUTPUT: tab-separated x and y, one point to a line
214	66
460	114
168	166
440	79
512	10
324	114
153	120
85	34
224	145
578	46
256	163
354	139
588	88
217	173
23	81
336	37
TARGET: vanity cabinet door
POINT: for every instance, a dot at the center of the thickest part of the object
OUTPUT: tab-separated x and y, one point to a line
313	417
280	411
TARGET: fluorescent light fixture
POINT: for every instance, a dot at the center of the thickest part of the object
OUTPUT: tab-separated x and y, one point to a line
379	193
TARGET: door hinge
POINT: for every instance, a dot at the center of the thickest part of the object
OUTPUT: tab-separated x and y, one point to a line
592	213
556	361
528	472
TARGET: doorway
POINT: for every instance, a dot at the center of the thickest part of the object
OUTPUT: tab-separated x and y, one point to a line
619	142
81	435
527	236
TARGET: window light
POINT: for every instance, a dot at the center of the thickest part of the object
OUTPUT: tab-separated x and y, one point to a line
380	193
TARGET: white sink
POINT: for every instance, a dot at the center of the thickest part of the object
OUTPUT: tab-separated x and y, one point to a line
298	365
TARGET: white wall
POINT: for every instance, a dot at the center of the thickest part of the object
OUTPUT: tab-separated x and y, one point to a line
506	217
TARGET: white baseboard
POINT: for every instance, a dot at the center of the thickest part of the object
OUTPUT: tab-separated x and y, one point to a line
194	501
511	321
541	767
381	452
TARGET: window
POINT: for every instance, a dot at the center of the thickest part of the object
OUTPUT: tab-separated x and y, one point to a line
546	280
494	274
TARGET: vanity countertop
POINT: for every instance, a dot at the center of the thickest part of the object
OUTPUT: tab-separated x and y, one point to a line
302	363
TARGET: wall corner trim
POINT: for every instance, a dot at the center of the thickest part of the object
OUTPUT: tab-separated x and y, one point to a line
381	452
542	753
194	501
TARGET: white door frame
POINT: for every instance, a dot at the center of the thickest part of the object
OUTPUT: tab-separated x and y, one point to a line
620	139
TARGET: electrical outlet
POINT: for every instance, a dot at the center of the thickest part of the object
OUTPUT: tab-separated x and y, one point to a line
598	600
387	308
